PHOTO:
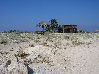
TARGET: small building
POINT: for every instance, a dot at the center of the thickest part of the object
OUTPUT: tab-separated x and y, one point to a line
69	28
43	24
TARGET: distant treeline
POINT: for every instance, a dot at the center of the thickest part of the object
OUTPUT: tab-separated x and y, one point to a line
17	31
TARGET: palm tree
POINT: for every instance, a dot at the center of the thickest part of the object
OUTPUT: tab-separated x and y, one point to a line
48	28
54	24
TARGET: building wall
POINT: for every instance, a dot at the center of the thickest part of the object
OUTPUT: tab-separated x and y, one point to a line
69	29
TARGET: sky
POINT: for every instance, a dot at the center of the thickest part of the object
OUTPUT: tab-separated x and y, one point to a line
23	15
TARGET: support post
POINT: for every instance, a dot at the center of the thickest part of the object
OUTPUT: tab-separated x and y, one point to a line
71	30
63	28
75	30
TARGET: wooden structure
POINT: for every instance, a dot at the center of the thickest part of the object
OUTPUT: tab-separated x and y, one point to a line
39	32
69	29
43	24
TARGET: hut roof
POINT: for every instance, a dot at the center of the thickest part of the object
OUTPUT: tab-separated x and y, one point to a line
70	25
43	23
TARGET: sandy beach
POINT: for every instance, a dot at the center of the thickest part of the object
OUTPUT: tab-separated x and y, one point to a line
55	53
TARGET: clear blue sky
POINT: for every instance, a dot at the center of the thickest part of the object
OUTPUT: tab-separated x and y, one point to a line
23	15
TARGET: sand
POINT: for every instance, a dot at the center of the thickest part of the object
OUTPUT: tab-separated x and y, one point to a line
55	53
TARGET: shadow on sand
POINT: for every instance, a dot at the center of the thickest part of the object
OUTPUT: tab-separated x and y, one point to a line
30	71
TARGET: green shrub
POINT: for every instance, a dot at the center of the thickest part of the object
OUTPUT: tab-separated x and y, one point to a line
22	54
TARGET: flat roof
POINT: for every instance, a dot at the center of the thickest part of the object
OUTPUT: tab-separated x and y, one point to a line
69	25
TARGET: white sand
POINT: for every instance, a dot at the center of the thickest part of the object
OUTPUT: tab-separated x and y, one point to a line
55	54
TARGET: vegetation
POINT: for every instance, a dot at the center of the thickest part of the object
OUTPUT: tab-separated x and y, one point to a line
12	31
54	25
60	29
53	39
22	54
48	28
82	31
